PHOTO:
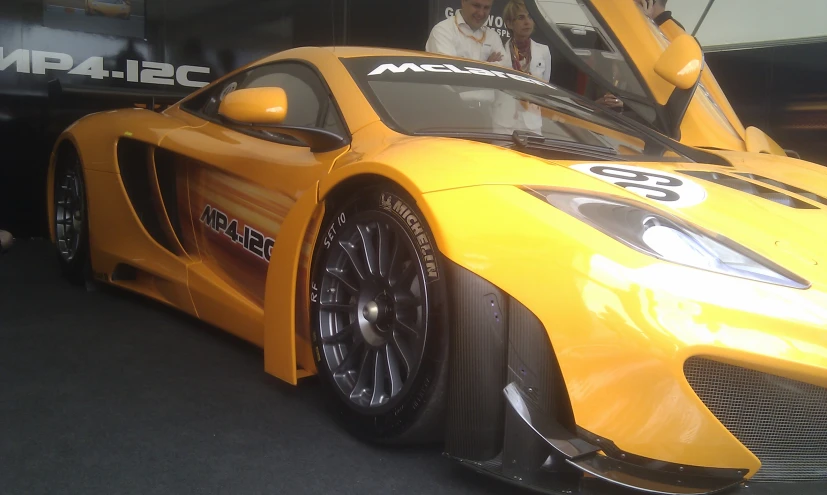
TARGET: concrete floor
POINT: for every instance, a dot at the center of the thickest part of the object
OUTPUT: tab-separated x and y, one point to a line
104	392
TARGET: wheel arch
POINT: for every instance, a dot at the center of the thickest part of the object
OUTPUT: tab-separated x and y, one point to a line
65	143
287	351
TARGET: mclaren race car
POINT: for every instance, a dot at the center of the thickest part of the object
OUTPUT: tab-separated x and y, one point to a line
559	295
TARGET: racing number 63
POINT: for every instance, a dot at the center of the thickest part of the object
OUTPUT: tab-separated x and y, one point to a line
640	181
653	184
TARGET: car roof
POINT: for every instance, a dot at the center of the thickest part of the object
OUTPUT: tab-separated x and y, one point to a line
365	51
343	52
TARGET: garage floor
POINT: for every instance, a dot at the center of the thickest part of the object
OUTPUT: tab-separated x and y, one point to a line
103	392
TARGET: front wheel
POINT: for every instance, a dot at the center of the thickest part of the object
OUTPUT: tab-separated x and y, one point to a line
378	315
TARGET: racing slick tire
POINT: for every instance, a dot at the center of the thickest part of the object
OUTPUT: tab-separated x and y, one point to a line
71	217
379	318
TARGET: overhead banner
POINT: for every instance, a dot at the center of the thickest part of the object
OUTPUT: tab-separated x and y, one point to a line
446	9
495	20
106	48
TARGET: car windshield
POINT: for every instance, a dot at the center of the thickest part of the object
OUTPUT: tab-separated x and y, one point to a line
433	96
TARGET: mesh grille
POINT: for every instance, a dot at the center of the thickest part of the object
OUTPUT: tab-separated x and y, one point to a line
782	421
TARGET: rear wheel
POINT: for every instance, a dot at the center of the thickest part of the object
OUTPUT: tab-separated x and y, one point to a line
378	318
71	218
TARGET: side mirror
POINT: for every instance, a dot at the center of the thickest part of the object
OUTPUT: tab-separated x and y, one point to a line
681	63
258	106
264	109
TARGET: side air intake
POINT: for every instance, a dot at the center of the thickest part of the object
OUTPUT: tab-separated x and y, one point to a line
137	174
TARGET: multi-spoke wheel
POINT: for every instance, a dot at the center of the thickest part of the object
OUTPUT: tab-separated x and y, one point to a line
372	309
378	311
70	214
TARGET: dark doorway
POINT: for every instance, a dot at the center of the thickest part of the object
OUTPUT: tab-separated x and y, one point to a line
386	24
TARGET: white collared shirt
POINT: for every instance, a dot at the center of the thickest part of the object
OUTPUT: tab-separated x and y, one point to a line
446	39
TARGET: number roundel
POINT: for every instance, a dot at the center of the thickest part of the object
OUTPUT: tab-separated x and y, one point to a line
663	187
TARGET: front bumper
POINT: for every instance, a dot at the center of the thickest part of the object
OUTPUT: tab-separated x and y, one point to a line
525	433
541	455
619	326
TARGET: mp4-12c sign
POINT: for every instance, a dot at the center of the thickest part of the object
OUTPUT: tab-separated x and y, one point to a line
143	72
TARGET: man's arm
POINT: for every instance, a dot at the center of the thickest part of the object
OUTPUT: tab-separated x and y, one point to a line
441	41
497	47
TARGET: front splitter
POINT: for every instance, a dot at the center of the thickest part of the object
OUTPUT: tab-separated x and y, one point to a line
540	455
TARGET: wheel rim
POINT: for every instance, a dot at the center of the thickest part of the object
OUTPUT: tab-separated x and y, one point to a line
68	213
373	312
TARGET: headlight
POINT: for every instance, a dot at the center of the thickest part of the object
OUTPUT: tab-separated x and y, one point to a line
670	239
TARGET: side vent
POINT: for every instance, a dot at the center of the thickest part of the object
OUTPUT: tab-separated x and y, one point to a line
496	341
135	165
479	350
168	183
786	187
533	366
751	188
124	273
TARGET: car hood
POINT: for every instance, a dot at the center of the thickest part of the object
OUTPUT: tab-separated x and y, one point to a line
775	206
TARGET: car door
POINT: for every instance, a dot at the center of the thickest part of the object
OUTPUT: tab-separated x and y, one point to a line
617	46
240	186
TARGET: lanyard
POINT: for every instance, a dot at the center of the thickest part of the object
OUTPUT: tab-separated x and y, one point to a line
480	40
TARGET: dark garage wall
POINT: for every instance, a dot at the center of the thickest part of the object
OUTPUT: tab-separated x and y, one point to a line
782	90
213	35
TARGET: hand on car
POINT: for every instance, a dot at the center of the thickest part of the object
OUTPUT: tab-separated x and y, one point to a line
610	101
647	6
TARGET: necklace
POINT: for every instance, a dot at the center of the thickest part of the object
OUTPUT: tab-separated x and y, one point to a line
478	40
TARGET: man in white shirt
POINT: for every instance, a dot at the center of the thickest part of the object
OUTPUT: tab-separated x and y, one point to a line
465	35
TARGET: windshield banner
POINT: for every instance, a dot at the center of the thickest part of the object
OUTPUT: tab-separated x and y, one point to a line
441	71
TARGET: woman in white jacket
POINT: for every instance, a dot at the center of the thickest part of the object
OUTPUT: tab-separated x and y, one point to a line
525	55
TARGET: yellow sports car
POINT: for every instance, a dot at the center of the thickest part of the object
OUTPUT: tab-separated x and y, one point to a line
563	297
109	8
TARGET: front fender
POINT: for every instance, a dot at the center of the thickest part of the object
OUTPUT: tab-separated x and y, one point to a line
286	329
96	136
